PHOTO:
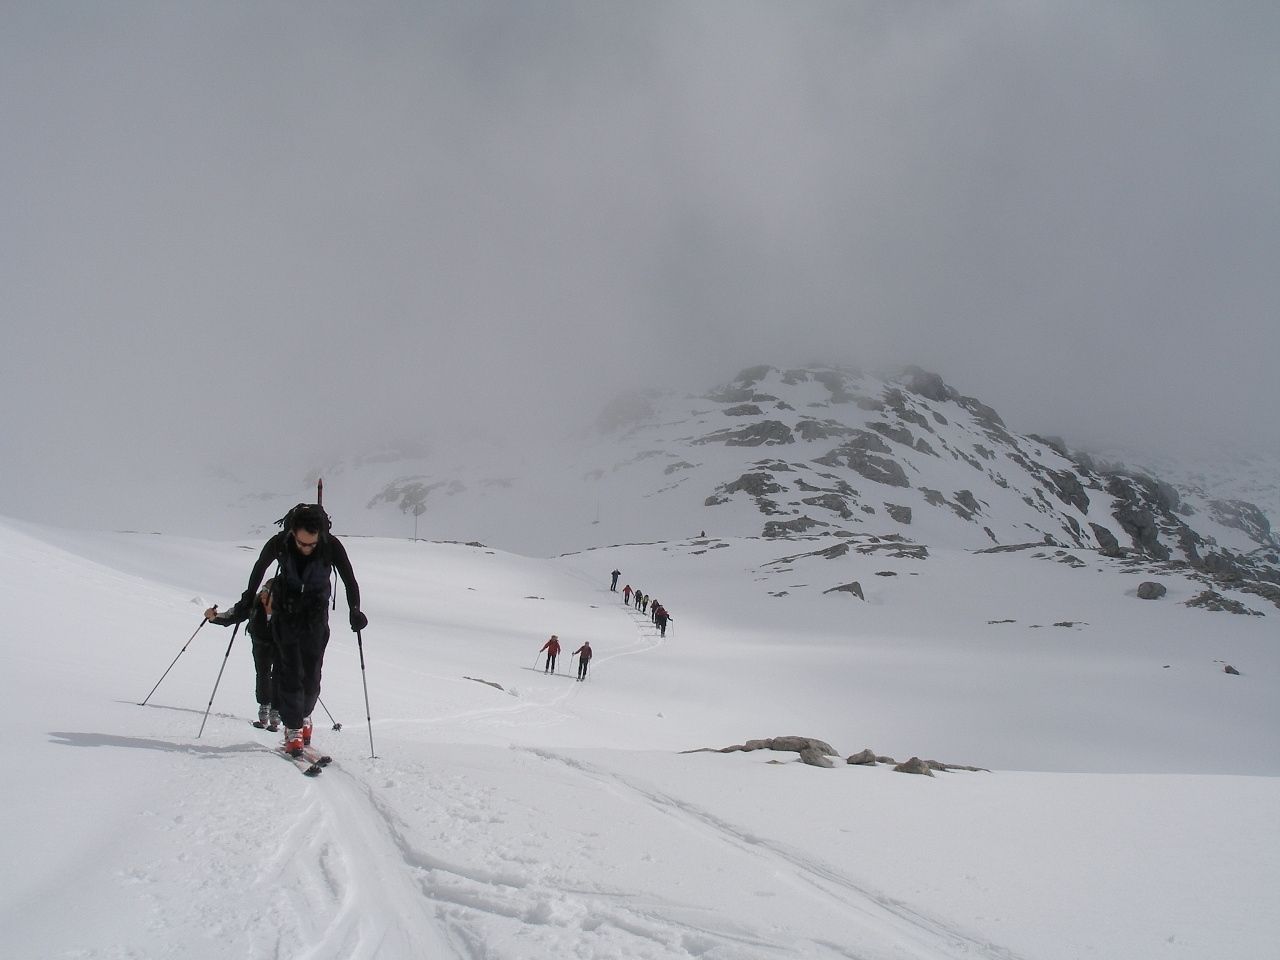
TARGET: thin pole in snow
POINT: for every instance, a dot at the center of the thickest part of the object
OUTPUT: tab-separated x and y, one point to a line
225	657
203	621
367	715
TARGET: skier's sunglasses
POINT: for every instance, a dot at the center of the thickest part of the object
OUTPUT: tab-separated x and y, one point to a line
305	544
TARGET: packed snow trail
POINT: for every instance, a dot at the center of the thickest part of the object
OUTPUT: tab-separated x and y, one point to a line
365	902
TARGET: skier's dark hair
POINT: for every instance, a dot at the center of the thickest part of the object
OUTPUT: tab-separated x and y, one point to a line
306	516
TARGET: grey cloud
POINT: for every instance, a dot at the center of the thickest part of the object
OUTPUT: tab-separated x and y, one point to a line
227	225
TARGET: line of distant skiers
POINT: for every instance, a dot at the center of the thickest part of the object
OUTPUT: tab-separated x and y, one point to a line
644	603
655	611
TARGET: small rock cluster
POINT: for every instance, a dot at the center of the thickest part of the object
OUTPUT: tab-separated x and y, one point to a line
1212	600
813	752
817	753
915	765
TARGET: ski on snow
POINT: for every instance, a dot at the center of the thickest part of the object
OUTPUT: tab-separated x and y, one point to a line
309	767
316	757
311	762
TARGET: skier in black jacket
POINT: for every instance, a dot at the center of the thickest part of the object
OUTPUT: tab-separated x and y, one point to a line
307	555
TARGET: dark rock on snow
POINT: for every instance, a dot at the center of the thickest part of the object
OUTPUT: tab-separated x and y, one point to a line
833	502
927	385
1150	590
1108	545
1212	600
780	528
855	588
899	513
822	429
756	484
815	758
1245	516
812	751
914	765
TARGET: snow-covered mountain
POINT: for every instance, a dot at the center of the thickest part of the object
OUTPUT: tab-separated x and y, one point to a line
779	452
813	454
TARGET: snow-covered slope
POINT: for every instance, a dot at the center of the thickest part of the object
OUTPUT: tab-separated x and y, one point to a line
513	814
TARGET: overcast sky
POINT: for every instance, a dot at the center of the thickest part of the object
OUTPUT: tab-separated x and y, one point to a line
229	227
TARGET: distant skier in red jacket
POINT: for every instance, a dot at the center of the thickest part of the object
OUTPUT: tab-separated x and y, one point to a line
626	594
552	647
583	653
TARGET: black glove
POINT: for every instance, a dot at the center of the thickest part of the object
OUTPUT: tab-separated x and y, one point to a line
358	620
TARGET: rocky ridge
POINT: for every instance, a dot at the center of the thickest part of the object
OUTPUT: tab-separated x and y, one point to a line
849	459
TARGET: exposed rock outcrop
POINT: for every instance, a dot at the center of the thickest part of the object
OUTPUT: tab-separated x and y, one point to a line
1150	590
812	751
781	528
823	429
966	504
771	432
898	434
854	588
1212	600
1244	516
1108	545
899	513
833	502
926	384
914	765
876	469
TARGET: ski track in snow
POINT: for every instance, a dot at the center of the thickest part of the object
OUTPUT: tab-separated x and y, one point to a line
876	915
356	877
362	899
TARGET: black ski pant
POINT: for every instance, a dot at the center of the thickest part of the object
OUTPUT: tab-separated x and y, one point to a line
264	662
300	642
582	668
551	663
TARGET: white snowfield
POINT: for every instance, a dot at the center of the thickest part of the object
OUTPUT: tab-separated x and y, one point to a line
1132	808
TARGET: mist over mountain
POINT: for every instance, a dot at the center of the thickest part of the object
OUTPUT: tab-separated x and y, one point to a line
810	453
260	237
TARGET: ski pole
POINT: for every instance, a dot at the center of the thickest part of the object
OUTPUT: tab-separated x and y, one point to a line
225	657
367	715
175	660
336	724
